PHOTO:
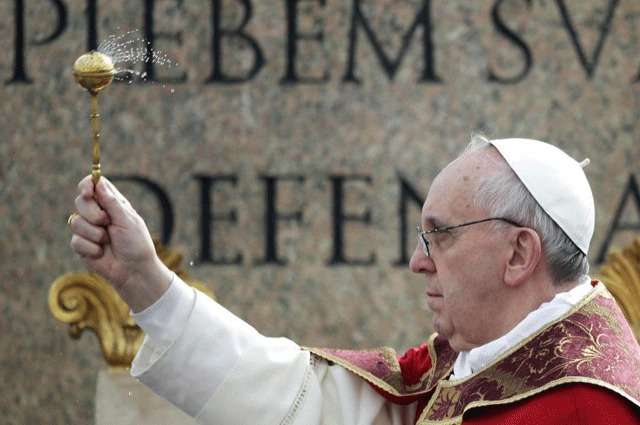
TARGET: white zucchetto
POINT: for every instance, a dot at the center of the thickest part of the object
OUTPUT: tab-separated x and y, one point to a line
557	182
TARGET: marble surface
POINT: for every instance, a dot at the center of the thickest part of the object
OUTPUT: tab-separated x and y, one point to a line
169	133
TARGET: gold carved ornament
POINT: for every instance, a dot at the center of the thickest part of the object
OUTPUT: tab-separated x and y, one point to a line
87	301
621	275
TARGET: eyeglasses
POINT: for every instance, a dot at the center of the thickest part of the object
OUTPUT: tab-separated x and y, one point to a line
422	234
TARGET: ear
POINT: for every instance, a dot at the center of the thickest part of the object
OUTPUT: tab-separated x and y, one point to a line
526	252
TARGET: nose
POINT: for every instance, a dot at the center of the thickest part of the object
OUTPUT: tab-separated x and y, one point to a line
420	263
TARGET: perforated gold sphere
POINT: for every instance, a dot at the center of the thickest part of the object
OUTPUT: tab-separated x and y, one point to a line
94	71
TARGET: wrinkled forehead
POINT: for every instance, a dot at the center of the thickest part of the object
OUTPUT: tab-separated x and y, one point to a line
451	195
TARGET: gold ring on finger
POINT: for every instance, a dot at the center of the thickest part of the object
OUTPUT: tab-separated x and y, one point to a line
72	217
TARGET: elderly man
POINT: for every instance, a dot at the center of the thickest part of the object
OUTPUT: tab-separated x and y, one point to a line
523	335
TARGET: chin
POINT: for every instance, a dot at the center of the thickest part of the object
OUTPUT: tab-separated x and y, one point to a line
449	335
443	331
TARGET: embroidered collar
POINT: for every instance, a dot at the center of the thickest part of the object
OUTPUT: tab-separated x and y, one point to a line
469	362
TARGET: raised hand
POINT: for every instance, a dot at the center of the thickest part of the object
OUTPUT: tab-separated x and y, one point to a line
114	242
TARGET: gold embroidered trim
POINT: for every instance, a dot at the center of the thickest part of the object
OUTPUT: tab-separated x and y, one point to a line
483	403
584	305
598	290
429	380
429	374
390	356
366	375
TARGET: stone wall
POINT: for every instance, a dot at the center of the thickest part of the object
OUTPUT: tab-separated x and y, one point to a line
398	88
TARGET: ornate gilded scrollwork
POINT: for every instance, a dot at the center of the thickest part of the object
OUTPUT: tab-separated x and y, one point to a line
87	301
621	274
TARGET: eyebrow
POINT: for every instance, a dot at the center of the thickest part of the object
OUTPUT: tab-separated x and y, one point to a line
434	220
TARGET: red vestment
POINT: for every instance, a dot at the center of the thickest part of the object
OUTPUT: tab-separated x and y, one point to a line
583	368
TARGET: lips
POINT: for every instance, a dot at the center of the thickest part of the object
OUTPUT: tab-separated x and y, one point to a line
434	301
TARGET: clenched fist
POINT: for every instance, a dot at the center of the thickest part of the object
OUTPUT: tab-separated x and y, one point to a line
114	242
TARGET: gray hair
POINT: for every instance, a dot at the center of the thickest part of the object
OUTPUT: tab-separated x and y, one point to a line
502	194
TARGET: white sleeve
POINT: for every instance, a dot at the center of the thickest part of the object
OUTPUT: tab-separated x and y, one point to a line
217	368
